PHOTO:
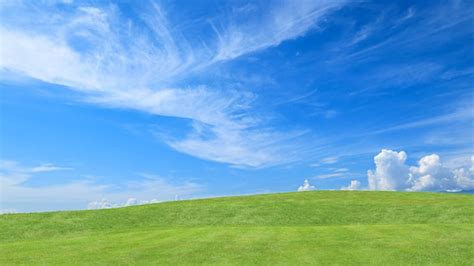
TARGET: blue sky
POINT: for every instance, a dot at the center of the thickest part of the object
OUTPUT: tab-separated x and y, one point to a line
104	103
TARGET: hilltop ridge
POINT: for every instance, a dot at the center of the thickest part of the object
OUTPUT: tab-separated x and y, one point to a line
264	229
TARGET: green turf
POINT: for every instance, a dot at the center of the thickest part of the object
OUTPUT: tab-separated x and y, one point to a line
323	227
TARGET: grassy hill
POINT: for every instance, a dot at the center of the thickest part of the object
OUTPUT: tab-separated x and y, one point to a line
321	227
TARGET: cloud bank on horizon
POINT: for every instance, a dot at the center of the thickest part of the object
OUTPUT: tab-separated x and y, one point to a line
146	100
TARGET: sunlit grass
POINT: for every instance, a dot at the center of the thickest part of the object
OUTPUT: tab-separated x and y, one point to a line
324	227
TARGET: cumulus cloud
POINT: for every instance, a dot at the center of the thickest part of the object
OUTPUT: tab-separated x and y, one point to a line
354	185
306	186
392	173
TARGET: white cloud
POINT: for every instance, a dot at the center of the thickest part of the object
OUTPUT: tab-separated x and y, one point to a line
464	176
106	204
362	34
285	20
330	160
116	63
12	172
337	174
76	194
131	202
306	186
391	173
432	175
354	185
102	204
48	167
7	211
462	113
42	58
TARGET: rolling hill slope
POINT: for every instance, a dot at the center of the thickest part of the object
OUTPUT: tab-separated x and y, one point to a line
322	227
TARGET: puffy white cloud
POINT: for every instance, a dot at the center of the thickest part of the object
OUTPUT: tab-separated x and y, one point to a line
306	186
432	175
392	173
354	185
429	175
464	177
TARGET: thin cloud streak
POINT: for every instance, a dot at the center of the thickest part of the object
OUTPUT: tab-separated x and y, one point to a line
17	194
285	20
459	115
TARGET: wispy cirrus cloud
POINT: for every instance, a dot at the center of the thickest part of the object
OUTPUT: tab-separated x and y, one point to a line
464	112
48	167
13	172
331	175
429	24
118	63
248	30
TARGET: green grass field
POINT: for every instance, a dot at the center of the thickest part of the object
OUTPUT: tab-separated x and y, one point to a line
322	227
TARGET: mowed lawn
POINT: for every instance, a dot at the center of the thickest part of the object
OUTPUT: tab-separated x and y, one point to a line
320	227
